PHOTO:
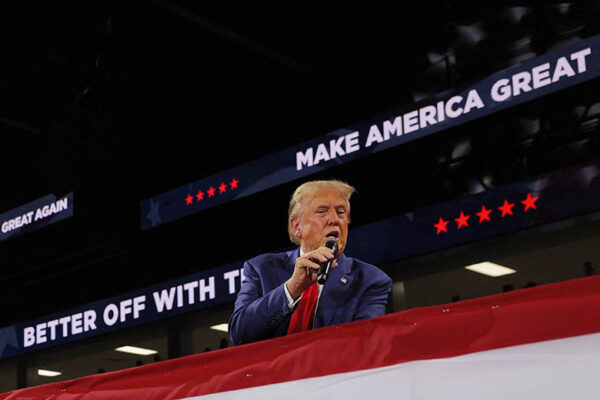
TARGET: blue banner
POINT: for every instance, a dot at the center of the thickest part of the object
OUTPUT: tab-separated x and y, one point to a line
193	292
560	69
558	195
34	215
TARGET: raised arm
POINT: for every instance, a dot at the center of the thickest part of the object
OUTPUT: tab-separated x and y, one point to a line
257	315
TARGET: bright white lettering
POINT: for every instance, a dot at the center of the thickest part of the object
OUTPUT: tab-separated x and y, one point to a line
110	314
440	111
411	121
138	305
501	90
64	321
76	323
352	142
335	147
391	128
71	325
179	296
427	116
453	113
322	154
305	158
125	308
190	287
40	333
89	320
374	136
520	81
541	75
204	288
473	100
563	68
230	276
580	57
164	300
28	336
52	325
62	204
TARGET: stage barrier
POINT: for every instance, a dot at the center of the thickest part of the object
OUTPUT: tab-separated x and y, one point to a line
540	342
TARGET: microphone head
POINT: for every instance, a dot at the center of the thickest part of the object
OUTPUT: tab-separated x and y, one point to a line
332	244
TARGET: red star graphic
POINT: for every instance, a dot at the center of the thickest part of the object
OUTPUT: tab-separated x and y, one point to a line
462	220
529	202
222	187
441	226
189	199
211	191
200	195
484	214
506	208
234	183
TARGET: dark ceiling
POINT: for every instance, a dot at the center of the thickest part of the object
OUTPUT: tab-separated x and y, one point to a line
119	101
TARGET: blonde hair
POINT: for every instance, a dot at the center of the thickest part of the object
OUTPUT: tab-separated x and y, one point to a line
309	190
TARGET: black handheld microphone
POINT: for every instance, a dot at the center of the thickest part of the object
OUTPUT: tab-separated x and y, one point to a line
326	266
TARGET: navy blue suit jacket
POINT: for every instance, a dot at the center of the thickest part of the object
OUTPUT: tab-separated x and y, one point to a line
354	291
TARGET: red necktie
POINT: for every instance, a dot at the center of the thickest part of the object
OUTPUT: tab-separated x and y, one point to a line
302	318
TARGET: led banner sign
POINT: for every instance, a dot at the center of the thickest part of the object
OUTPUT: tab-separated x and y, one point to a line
558	195
34	215
193	292
549	73
563	194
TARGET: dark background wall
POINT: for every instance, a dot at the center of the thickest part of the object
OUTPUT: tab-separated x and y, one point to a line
119	101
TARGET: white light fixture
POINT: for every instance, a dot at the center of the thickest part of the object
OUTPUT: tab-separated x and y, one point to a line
490	269
136	350
220	327
46	372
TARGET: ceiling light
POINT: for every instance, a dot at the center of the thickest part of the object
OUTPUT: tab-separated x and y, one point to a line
136	350
220	327
45	372
490	269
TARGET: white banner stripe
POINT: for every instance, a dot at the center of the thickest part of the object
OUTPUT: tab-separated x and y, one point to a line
556	369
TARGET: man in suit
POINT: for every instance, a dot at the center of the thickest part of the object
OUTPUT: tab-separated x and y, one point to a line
279	294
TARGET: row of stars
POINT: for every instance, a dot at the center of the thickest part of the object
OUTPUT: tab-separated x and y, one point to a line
210	192
484	214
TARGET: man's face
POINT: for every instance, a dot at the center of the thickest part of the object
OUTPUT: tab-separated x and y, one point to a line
324	218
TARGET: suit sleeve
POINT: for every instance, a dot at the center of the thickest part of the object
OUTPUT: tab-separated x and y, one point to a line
257	315
374	299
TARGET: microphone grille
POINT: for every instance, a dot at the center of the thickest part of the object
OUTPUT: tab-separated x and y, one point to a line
332	244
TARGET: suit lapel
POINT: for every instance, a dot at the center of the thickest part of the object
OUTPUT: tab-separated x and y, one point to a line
335	292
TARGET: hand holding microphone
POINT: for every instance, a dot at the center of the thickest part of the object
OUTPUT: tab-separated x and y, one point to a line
311	266
326	266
